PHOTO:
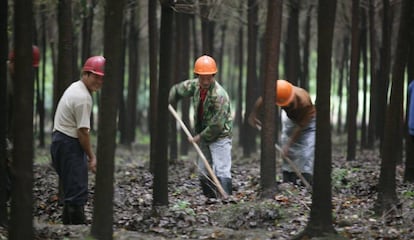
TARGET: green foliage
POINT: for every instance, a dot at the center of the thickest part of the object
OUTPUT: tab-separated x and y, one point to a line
408	194
184	205
343	177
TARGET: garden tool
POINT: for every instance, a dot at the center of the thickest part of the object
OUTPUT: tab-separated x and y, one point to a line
208	167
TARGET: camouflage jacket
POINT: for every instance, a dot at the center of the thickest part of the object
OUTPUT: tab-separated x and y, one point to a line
217	120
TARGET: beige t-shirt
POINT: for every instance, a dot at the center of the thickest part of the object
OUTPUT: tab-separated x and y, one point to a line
74	110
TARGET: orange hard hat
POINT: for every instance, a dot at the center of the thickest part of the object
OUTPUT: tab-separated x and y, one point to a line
95	65
35	56
284	93
205	65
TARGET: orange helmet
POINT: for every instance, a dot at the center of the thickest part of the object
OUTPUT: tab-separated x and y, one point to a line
95	65
284	93
35	56
205	65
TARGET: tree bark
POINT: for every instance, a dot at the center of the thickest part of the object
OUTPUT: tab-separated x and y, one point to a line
102	225
21	216
271	74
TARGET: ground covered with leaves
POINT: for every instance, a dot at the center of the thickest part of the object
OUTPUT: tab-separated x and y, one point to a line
243	216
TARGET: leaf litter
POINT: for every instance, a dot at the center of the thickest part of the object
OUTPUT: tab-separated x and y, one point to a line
243	216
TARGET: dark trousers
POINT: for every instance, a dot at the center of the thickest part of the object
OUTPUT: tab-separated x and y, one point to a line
70	163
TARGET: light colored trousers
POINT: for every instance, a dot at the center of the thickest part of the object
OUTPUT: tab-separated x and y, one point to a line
218	155
302	151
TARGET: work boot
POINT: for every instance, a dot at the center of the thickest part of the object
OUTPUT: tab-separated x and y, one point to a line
73	214
209	190
227	185
289	177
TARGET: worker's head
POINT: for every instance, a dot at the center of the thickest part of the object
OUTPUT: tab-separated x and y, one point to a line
95	65
284	93
93	72
205	67
35	58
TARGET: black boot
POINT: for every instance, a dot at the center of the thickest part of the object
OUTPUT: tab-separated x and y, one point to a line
227	185
209	190
73	214
289	177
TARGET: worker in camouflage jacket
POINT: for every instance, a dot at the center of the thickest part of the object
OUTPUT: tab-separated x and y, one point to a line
213	123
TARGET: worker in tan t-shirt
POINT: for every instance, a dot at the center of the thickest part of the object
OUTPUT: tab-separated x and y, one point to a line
298	128
71	147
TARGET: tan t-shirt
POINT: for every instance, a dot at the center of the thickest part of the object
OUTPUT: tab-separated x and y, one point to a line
74	110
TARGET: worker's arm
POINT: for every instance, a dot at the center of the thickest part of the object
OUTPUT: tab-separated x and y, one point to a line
253	120
84	140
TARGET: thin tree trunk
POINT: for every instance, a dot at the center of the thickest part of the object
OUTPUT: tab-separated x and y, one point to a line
272	42
320	219
387	197
409	161
353	84
3	108
374	80
153	65
160	185
292	55
21	214
364	53
102	225
249	143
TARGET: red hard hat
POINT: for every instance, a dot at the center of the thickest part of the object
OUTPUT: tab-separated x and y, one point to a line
205	65
95	65
35	56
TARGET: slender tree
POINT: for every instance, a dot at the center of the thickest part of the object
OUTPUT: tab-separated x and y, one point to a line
65	50
387	197
104	190
374	80
409	160
251	91
3	108
320	219
384	70
160	187
153	68
134	77
23	151
272	41
353	84
292	50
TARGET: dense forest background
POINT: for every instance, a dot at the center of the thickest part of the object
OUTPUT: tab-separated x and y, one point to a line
356	58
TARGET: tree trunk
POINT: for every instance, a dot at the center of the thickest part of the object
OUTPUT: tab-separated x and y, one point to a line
409	161
353	84
3	108
102	225
249	143
182	66
134	76
320	220
272	42
364	59
292	55
387	196
153	68
383	76
160	185
374	80
306	48
21	214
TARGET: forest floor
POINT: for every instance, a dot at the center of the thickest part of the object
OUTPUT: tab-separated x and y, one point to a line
245	216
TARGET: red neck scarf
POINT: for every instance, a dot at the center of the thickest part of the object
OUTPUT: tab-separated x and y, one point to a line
203	94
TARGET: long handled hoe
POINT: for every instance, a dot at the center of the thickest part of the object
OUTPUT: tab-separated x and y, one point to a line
210	171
